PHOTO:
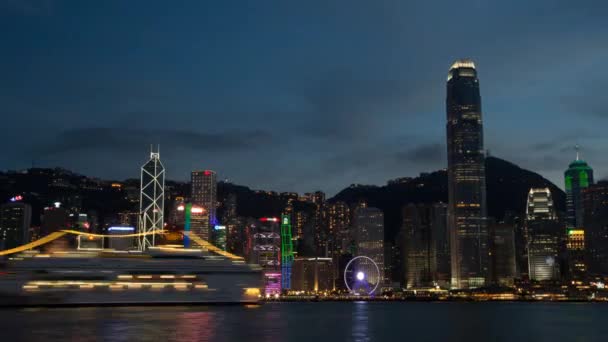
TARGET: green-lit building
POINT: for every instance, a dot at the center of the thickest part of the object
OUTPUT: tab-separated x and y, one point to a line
578	177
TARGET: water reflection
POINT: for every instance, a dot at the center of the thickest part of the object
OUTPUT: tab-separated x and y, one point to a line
313	322
360	322
195	326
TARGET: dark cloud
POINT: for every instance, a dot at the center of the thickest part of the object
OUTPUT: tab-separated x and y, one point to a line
129	139
426	154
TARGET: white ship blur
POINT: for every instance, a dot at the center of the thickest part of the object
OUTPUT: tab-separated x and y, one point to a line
160	276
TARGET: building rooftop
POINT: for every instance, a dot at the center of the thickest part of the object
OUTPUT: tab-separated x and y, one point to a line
463	63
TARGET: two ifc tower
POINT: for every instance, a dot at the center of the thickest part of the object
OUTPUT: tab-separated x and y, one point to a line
467	210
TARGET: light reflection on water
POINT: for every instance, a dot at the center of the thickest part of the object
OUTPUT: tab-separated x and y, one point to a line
313	322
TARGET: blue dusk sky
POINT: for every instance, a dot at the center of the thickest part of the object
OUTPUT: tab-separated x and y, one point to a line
297	95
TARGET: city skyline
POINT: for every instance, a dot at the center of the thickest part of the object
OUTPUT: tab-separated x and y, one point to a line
247	86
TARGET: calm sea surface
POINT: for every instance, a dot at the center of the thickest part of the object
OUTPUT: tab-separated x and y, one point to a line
313	322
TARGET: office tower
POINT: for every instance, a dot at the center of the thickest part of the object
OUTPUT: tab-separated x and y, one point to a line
312	274
578	176
542	232
595	203
286	252
337	221
266	251
204	193
15	219
337	218
424	238
420	254
575	249
369	236
502	245
321	234
466	178
151	200
441	239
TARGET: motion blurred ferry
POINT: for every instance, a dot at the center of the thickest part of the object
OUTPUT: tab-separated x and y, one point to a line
162	275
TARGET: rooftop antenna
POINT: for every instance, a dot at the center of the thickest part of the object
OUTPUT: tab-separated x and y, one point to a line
577	148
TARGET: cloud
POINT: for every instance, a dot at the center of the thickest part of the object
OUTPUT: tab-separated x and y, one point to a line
130	139
425	154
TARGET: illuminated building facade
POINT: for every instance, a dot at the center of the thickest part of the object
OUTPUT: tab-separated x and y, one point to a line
266	251
337	220
15	220
312	274
595	203
466	178
204	193
196	221
577	177
575	246
369	238
151	200
542	232
286	252
337	217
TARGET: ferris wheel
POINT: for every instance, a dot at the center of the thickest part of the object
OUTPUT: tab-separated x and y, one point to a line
362	276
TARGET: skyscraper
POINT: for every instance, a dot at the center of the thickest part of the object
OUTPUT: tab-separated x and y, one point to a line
204	193
502	245
578	176
15	219
595	201
419	248
151	200
542	232
266	251
466	178
369	232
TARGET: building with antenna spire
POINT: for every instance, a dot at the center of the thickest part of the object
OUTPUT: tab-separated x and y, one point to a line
151	199
578	177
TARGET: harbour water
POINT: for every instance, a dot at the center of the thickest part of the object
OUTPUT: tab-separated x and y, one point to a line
343	321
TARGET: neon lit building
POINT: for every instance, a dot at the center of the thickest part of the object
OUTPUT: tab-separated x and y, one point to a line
578	177
266	251
542	232
466	178
204	193
196	220
286	252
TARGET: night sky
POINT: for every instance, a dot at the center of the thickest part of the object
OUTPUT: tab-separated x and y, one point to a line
297	95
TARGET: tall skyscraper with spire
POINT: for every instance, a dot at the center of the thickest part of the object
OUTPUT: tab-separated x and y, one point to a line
578	177
466	178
